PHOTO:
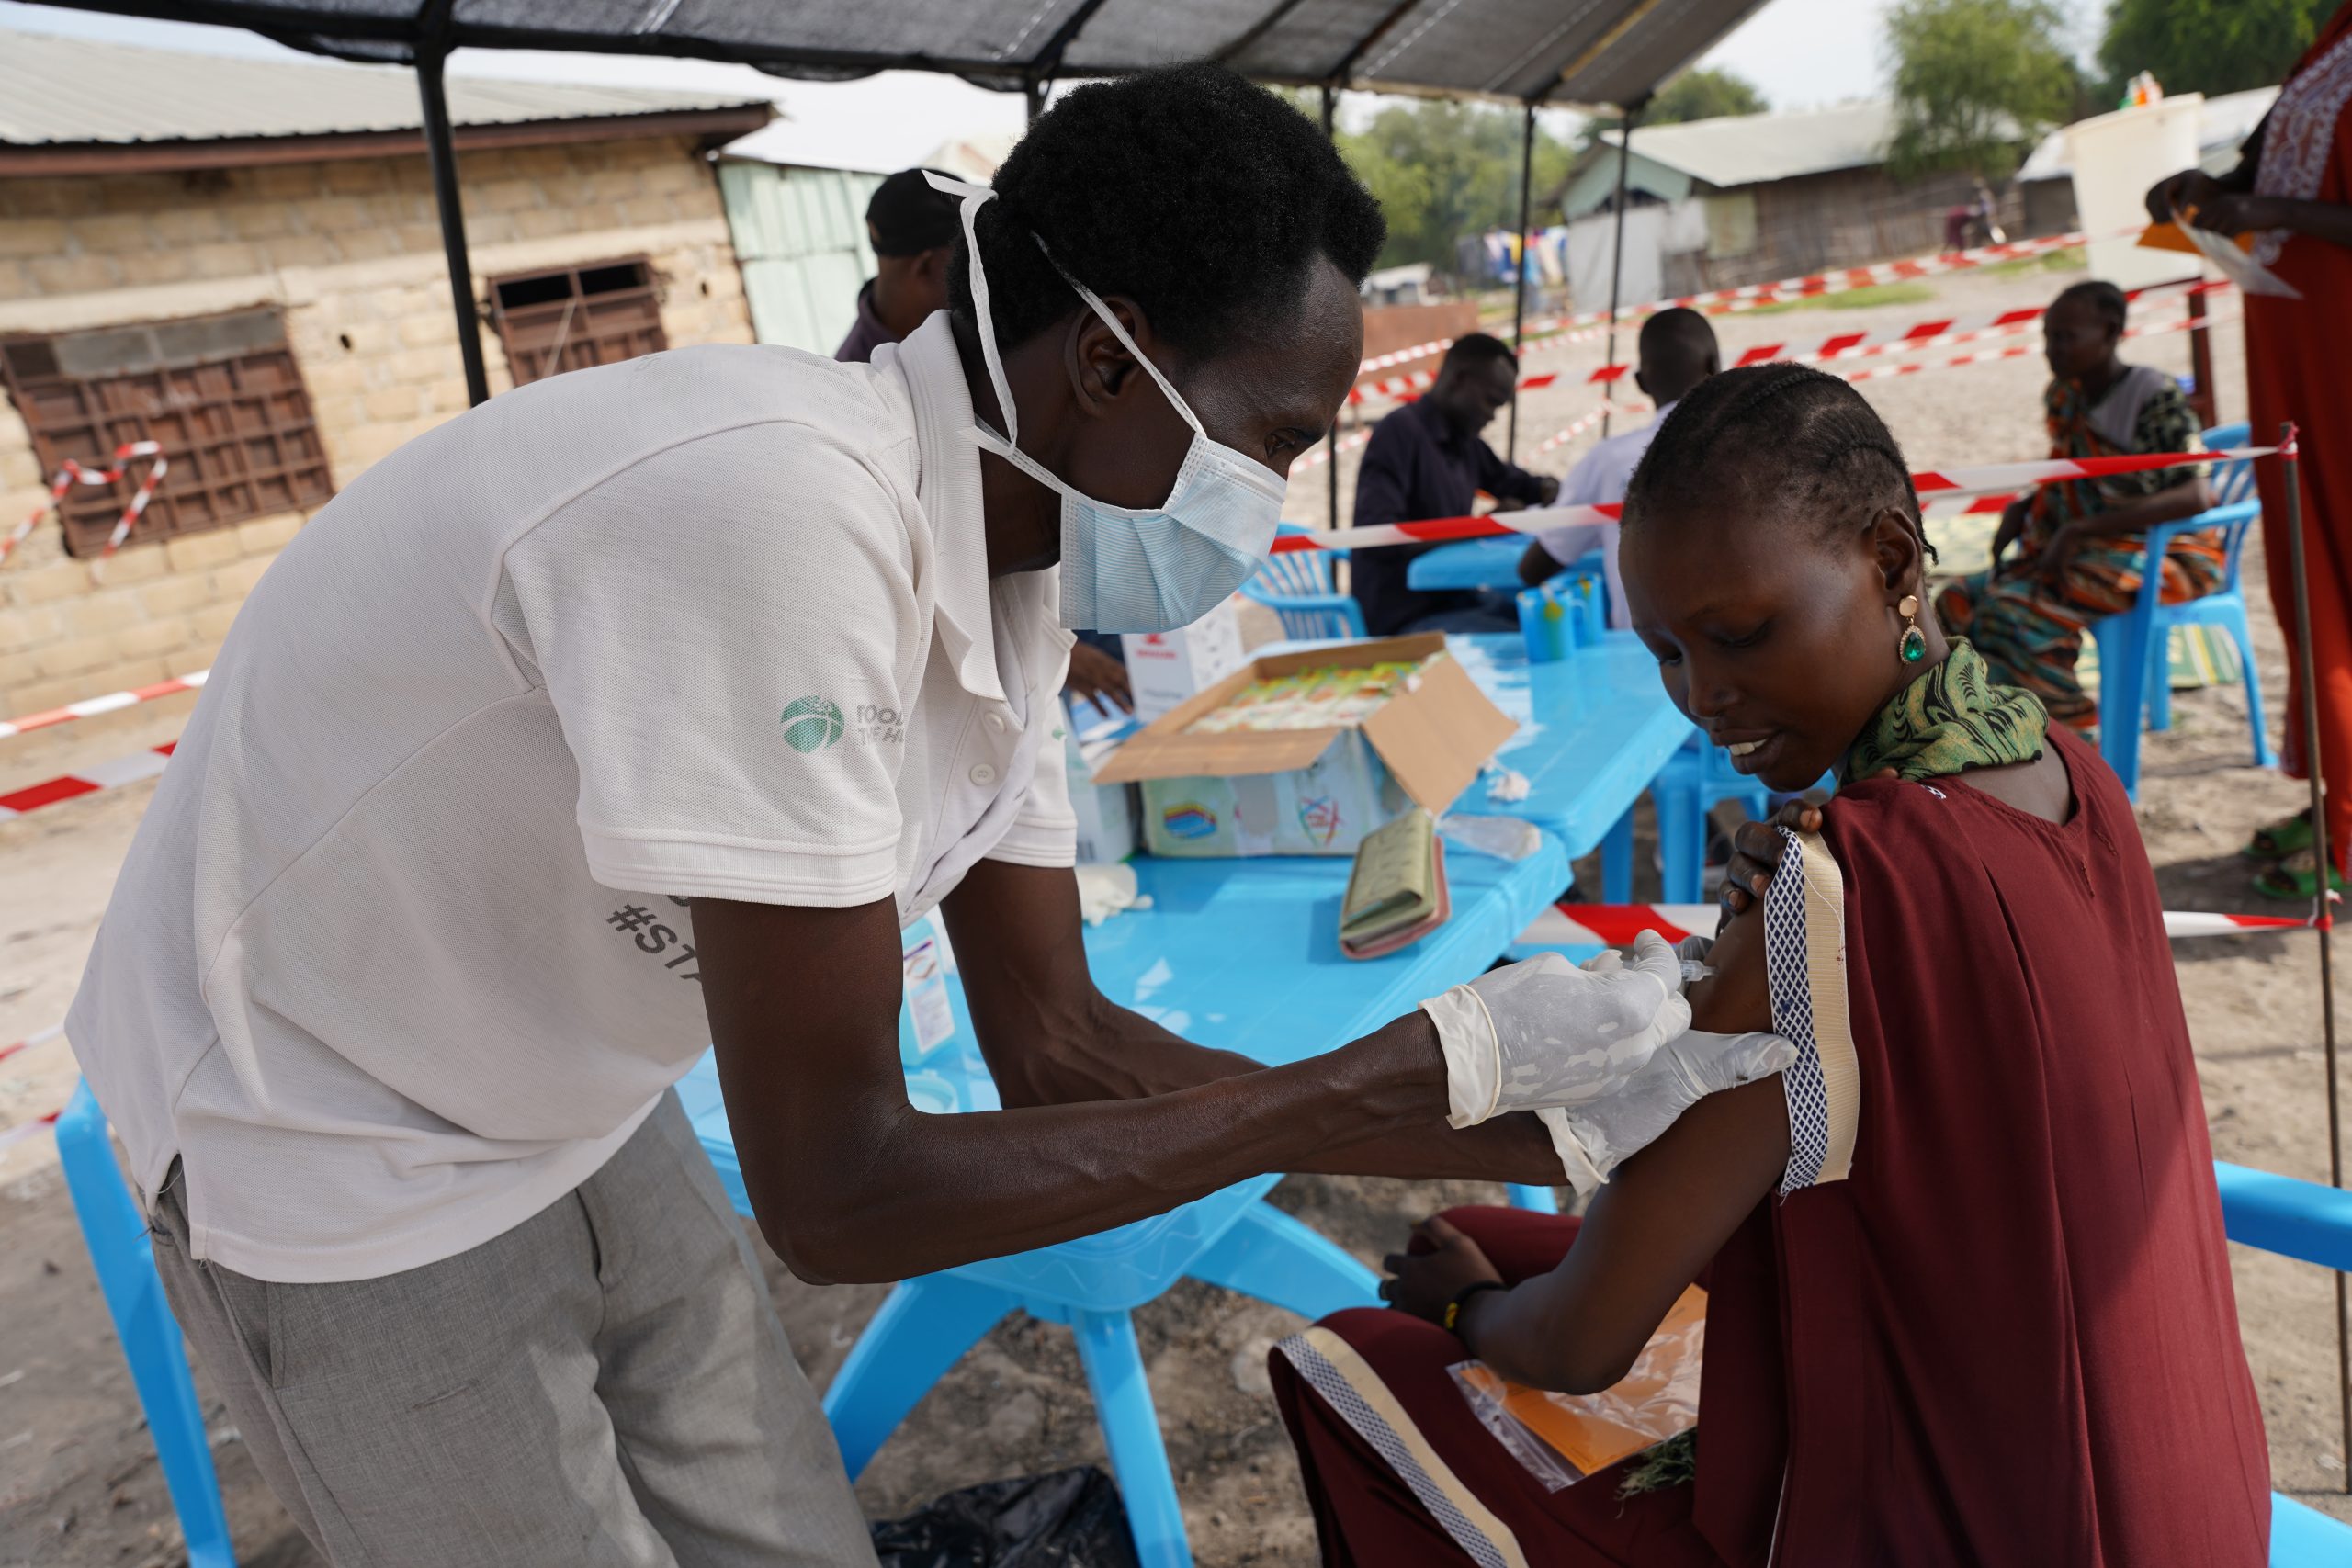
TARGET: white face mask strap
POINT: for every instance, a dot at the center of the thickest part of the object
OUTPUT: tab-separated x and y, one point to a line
974	199
1111	321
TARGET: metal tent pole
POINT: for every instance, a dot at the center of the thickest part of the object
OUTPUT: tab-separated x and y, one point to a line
1331	461
1033	90
441	157
1519	283
2323	918
1632	113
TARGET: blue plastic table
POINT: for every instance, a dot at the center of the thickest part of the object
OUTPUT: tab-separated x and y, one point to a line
1239	955
1594	729
1468	563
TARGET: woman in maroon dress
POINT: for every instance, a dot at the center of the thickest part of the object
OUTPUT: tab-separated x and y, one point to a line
1968	1296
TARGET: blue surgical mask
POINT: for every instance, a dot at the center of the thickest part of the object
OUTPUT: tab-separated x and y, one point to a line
1124	569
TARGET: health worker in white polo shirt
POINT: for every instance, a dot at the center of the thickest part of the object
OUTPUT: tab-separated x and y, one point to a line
1676	352
641	709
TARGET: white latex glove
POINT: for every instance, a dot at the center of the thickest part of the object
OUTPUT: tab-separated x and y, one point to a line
1545	1033
1594	1138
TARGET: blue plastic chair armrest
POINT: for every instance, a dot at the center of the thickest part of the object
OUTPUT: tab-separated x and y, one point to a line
2160	538
2278	1213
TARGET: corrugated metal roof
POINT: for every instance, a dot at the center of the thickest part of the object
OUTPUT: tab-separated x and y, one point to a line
1589	52
1749	149
57	90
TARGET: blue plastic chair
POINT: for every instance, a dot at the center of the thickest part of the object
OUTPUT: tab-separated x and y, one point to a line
122	1254
2300	1220
1684	792
2134	648
1297	588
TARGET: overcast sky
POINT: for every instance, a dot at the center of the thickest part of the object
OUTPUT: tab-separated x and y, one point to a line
1801	53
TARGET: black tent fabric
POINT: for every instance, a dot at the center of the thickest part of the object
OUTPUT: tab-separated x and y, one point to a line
1550	51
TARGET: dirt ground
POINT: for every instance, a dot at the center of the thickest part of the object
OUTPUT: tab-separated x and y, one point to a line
78	1483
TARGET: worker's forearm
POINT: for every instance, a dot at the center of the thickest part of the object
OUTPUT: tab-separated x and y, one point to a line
2327	220
935	1191
1110	1053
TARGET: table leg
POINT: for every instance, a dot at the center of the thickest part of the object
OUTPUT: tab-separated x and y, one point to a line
1617	862
923	1328
1107	1349
1283	1262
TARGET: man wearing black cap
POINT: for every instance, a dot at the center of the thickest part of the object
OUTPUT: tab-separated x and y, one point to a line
914	229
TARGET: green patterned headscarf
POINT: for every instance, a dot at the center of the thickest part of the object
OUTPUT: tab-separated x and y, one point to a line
1955	717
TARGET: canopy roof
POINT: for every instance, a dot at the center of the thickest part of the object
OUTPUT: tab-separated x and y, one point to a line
66	91
1560	51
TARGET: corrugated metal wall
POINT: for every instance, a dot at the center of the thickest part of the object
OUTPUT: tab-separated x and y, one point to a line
800	235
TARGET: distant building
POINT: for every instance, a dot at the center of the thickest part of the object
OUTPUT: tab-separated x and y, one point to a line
1749	198
797	213
2047	183
240	259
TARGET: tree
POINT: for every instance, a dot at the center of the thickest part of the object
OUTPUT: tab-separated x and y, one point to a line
1975	82
2207	46
1445	170
1694	95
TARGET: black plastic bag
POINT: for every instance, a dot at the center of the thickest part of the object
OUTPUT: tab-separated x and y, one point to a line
1071	1518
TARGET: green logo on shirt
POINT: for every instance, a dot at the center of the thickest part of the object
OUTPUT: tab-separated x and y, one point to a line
812	724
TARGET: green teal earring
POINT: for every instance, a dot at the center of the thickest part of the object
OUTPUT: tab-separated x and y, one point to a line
1912	645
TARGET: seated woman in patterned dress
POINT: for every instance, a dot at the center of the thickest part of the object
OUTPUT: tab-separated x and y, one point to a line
1968	1299
2082	545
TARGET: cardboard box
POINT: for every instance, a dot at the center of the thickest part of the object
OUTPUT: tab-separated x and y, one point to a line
1107	814
1168	668
1309	792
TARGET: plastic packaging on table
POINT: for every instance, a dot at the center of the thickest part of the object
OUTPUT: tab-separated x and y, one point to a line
1505	838
1561	1438
1313	699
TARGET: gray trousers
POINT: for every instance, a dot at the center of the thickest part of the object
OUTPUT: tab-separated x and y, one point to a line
604	1386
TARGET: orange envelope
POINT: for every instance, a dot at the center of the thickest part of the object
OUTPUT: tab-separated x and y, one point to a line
1654	1401
2166	236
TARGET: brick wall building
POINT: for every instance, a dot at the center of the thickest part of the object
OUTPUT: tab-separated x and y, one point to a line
274	309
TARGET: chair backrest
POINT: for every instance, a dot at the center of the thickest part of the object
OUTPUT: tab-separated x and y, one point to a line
2231	481
1300	574
1297	587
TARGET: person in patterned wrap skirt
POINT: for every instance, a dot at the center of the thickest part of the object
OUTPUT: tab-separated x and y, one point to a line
2082	545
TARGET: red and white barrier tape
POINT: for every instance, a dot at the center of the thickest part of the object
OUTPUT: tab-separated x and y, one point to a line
2020	351
11	1136
1980	479
38	1037
1755	296
68	786
1324	449
1616	925
1940	334
113	702
1408	387
70	472
1405	355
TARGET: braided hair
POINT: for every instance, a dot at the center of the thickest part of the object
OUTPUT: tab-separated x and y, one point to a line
1779	440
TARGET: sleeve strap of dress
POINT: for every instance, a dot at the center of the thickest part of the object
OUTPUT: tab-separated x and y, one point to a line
1804	962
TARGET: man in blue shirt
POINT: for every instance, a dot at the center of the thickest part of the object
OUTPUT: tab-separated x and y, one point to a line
1427	459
